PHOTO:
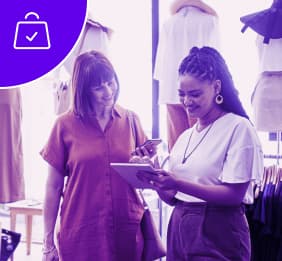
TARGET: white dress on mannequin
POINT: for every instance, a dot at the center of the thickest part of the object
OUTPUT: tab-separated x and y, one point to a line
189	27
267	96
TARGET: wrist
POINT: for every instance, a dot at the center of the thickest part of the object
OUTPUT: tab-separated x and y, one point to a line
48	238
48	243
48	249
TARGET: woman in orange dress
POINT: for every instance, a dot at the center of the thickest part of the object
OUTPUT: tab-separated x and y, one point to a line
100	213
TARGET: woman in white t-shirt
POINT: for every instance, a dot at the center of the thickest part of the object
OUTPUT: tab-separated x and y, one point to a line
213	166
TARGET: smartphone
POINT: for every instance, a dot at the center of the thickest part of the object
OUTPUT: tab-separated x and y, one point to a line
149	145
151	142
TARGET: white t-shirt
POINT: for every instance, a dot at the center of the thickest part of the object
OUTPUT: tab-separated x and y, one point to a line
230	153
187	28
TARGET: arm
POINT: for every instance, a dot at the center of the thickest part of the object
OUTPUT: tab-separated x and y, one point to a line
223	194
54	188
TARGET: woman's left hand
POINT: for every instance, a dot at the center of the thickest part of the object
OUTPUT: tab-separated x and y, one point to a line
160	179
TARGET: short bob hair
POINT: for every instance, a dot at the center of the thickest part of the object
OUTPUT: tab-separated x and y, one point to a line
90	69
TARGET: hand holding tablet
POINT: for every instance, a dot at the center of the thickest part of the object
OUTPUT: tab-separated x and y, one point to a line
129	172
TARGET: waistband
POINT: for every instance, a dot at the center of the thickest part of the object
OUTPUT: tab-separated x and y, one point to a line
209	206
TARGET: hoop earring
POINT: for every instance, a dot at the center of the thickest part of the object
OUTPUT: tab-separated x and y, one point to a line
219	99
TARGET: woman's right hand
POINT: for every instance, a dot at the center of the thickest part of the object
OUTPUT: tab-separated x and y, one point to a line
50	254
145	159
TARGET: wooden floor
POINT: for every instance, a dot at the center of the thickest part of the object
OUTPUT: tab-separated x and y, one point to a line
20	253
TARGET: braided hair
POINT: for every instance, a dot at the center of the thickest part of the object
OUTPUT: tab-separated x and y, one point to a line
206	63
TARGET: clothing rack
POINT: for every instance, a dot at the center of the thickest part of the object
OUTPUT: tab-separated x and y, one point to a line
265	214
265	217
271	156
278	136
277	156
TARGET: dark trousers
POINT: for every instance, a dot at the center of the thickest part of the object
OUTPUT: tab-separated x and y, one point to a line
201	232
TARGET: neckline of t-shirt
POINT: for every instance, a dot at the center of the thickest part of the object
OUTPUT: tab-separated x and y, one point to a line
212	123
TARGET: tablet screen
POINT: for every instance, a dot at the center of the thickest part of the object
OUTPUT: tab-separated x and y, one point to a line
129	171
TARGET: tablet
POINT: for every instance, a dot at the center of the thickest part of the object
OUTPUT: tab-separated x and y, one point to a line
128	171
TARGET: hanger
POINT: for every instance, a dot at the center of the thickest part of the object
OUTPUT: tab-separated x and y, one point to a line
96	24
261	187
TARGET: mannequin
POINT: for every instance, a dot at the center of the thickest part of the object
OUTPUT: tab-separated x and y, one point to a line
192	23
267	94
11	151
266	22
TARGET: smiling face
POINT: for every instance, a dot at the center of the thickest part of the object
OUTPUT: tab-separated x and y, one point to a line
203	75
198	96
104	95
95	84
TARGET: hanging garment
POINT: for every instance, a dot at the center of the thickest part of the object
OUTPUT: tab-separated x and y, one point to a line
270	55
62	91
177	122
267	102
267	94
266	22
264	217
11	153
192	23
94	37
189	27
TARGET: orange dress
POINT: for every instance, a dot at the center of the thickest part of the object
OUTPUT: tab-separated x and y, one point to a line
100	212
11	151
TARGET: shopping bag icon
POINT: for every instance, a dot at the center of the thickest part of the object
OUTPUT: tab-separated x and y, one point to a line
32	34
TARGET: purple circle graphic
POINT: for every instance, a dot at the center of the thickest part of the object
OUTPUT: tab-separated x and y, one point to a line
36	36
